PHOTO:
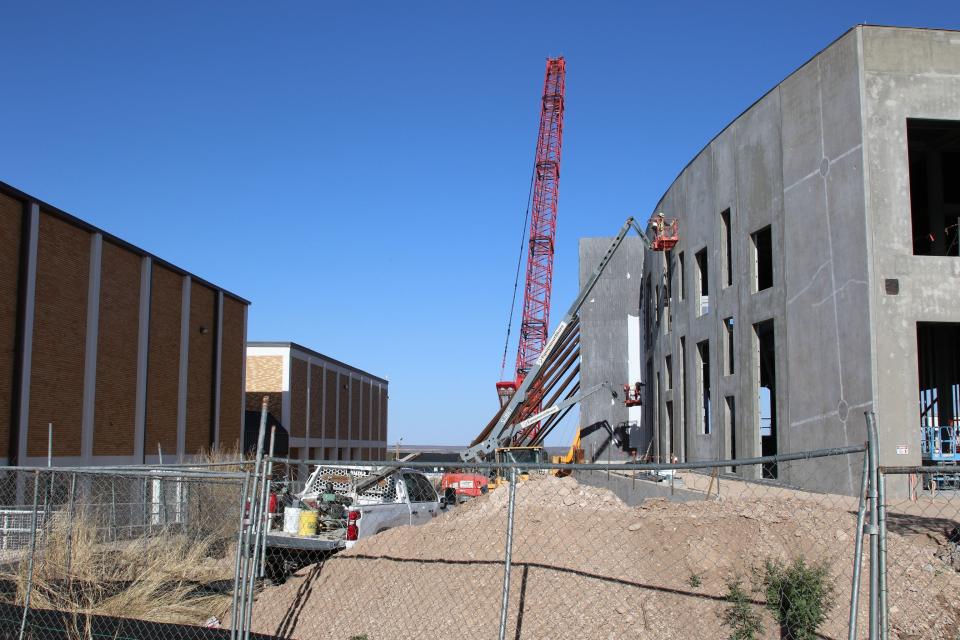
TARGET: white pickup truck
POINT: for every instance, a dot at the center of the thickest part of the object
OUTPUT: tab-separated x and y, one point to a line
394	498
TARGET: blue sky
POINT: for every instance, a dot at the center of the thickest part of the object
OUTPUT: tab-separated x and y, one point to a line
359	171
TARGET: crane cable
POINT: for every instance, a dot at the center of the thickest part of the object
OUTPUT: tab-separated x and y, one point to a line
516	279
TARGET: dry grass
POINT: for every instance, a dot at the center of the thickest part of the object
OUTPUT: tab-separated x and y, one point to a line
159	578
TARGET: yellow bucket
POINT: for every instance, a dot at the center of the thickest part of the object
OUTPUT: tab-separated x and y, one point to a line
308	523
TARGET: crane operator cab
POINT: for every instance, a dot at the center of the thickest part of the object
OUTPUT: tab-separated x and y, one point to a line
519	456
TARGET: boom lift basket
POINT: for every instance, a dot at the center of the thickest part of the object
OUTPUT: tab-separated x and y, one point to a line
666	232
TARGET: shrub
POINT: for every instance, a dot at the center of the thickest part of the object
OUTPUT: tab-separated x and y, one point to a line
744	621
695	580
799	596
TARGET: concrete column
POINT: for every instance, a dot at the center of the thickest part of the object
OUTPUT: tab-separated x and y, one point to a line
184	367
90	350
143	350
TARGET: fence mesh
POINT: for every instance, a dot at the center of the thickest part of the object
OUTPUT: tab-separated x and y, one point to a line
923	552
118	555
606	551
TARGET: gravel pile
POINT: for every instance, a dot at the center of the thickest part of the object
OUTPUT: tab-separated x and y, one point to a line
588	566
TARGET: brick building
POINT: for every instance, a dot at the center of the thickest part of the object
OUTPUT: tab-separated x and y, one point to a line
118	349
331	410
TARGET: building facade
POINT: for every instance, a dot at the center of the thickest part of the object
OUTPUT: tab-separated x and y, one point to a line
331	410
121	352
817	271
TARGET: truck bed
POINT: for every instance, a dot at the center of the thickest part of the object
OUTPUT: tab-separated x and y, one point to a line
326	541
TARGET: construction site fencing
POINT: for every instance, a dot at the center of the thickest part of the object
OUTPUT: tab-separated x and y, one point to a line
118	553
719	549
816	544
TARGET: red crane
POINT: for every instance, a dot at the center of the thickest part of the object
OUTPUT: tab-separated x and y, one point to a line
535	325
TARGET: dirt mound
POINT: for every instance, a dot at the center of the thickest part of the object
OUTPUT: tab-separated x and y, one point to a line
588	566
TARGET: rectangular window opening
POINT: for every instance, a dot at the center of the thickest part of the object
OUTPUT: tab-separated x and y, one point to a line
680	438
762	259
728	359
934	151
727	247
766	380
668	428
668	371
703	282
938	363
681	271
730	424
703	387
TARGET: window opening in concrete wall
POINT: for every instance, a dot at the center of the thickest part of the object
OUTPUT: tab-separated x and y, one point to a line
934	152
680	437
703	282
668	371
938	355
668	293
766	377
703	386
681	271
730	429
728	354
668	420
762	259
726	246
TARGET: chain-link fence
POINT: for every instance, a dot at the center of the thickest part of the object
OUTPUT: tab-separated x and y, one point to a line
758	548
702	550
88	553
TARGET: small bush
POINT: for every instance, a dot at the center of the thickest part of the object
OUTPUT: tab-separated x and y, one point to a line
695	580
744	621
799	596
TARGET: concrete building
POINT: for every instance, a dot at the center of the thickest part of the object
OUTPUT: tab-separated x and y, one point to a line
120	350
610	340
816	276
331	410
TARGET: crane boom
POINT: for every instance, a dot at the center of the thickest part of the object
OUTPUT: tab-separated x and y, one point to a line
535	323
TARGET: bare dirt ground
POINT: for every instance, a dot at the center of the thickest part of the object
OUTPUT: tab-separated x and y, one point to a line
588	566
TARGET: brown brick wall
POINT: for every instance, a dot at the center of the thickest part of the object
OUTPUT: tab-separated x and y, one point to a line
11	229
355	399
232	353
298	398
202	350
114	415
316	402
265	378
59	337
163	360
330	408
343	393
382	431
366	431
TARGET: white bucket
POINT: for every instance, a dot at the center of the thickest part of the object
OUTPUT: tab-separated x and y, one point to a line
291	520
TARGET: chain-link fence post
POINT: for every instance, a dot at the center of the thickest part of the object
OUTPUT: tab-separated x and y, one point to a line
33	549
238	576
874	528
508	553
858	551
883	556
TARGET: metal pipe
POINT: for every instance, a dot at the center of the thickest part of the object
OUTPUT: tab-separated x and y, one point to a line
255	519
508	553
883	556
33	550
70	501
858	553
266	501
627	466
874	528
238	579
